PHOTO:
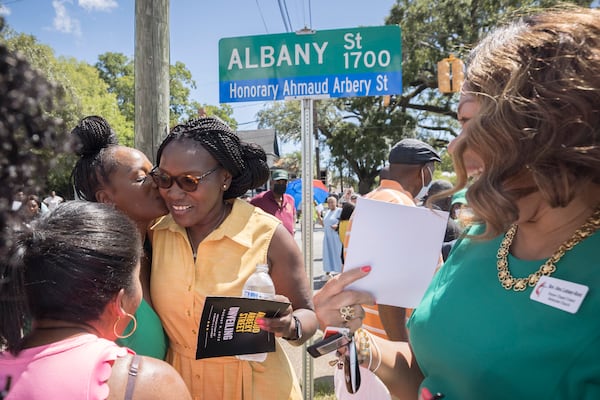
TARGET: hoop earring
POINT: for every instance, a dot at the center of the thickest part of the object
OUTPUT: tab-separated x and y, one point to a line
132	330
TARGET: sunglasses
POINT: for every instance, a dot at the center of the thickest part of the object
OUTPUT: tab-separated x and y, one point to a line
188	183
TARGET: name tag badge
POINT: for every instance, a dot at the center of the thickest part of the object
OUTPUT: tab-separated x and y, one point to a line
557	293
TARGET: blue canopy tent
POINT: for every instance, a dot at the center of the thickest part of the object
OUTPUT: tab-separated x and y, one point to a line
320	191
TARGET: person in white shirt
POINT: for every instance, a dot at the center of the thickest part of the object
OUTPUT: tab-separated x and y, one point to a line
53	200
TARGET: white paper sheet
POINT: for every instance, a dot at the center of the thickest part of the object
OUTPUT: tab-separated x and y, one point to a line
402	244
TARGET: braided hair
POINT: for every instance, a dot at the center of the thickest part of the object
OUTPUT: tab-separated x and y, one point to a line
94	138
246	162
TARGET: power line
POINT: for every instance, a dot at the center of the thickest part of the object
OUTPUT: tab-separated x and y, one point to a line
310	14
285	22
246	123
262	16
288	16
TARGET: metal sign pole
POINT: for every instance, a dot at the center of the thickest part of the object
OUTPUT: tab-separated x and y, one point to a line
307	228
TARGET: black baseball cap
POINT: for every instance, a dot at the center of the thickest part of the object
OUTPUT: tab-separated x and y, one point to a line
413	151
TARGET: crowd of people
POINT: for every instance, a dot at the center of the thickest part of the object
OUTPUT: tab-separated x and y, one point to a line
101	297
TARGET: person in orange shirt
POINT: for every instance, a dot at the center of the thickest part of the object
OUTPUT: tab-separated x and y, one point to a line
410	172
407	178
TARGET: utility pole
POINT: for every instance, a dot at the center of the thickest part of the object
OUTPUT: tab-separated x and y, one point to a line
152	62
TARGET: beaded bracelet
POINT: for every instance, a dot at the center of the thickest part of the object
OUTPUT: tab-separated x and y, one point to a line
363	348
363	339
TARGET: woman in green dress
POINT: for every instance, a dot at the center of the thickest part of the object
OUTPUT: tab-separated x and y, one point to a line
109	173
513	313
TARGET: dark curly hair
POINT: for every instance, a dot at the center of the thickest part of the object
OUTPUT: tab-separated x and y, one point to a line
537	82
27	133
246	162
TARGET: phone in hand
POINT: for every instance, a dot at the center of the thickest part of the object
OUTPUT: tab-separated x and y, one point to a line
351	369
332	330
329	344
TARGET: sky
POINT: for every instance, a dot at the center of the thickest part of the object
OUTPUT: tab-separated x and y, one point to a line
84	29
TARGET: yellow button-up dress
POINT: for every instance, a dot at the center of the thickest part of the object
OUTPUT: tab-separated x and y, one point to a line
179	287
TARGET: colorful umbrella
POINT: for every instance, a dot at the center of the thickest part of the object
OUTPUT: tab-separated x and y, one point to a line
320	191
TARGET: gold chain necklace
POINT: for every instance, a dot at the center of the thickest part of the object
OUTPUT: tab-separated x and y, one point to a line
509	282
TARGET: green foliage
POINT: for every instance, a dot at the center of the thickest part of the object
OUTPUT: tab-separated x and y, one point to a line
117	70
223	111
92	97
359	131
429	37
105	89
59	178
292	163
84	93
284	117
180	84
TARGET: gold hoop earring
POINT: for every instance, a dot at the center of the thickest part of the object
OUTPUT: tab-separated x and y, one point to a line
132	330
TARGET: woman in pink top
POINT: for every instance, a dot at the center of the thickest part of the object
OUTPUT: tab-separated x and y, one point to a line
73	285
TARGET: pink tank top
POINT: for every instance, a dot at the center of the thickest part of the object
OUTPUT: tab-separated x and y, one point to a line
74	368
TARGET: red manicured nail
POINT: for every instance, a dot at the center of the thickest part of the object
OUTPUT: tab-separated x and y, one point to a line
366	268
426	394
260	321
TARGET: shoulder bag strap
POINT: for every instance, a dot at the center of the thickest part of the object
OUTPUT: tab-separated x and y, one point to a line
133	371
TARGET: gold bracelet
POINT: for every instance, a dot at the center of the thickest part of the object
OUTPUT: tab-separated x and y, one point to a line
363	348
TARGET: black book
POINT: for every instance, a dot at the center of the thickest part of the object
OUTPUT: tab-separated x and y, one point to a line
228	326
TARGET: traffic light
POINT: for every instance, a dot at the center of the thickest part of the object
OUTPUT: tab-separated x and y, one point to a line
444	82
450	74
458	74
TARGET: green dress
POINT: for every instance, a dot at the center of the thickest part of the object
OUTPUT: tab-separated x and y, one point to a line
149	339
475	340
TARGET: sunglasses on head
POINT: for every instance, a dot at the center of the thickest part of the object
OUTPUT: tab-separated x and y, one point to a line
188	183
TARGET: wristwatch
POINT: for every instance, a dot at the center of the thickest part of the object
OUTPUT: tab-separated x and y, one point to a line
298	335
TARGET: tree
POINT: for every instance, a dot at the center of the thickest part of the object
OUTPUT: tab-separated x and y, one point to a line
93	97
117	70
223	111
292	163
357	131
83	93
181	83
360	131
429	37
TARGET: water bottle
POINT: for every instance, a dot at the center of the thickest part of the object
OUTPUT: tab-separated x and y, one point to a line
258	286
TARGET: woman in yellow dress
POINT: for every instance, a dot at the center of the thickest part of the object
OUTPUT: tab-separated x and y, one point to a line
209	245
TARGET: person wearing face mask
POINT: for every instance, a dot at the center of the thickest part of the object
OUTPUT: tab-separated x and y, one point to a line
276	201
406	179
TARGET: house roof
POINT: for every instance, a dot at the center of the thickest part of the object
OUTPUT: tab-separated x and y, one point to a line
266	138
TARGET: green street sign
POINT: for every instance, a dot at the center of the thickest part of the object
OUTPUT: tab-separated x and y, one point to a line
332	63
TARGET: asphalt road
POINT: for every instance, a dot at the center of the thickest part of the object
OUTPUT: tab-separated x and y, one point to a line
322	371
